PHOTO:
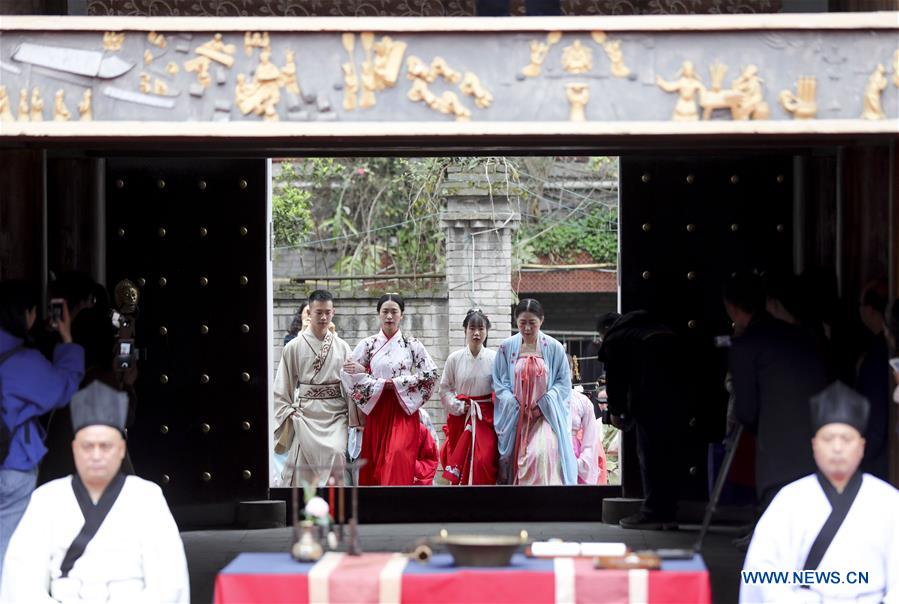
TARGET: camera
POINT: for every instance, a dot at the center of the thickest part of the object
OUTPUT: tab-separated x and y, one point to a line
56	311
126	354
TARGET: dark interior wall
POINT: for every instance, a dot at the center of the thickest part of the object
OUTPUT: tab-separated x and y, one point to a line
20	214
73	211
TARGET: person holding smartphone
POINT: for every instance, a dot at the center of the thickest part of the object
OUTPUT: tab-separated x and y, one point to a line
30	386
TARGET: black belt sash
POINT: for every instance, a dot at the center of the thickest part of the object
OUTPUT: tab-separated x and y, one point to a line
94	515
840	504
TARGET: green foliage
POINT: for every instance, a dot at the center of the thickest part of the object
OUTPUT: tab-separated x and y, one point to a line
291	208
563	241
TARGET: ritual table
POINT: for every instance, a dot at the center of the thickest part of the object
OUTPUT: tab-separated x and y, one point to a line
392	578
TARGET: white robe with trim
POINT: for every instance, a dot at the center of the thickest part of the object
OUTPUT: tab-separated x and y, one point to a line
867	542
136	556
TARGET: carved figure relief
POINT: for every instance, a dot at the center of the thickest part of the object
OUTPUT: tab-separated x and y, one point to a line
688	87
578	94
144	85
157	40
577	58
440	68
112	41
60	111
24	111
539	51
388	62
417	70
350	79
148	57
752	99
262	95
714	97
172	68
37	106
367	39
289	73
802	105
255	40
200	66
877	83
84	107
452	104
612	49
896	68
217	50
5	111
471	86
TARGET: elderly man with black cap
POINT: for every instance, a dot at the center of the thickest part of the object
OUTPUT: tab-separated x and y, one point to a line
839	523
98	535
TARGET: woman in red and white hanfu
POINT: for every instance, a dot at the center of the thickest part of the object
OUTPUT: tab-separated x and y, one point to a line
470	454
389	376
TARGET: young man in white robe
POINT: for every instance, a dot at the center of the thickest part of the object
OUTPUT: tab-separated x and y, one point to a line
312	412
839	523
96	536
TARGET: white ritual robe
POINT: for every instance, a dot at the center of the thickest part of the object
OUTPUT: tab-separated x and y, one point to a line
310	406
867	541
135	557
466	374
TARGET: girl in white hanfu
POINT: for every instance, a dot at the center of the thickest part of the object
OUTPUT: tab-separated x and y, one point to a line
585	438
532	383
389	376
470	455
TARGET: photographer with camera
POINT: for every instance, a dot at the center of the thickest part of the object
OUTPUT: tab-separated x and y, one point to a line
641	358
30	386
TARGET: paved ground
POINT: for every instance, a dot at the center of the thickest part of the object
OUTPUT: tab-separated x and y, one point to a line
209	551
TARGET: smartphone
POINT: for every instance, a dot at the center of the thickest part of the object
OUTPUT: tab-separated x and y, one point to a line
56	311
894	363
722	341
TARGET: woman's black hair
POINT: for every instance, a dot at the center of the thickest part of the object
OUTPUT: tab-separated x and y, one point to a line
16	298
297	323
529	305
477	317
392	297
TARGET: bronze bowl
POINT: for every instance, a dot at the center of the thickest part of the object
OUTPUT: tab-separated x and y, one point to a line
481	550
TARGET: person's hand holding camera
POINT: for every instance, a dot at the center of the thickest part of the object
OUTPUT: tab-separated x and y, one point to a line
60	320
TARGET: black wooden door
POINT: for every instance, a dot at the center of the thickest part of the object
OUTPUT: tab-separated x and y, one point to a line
686	224
192	234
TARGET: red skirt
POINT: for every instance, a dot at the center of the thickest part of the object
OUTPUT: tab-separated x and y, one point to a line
458	466
390	443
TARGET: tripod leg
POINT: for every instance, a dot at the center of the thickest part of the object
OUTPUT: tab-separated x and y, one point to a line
730	452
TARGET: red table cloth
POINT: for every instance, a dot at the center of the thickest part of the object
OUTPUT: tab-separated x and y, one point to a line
390	578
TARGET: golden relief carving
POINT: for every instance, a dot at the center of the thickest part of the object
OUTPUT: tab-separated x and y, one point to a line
388	62
261	96
144	84
578	94
539	51
85	108
471	86
802	105
752	98
714	97
172	68
367	39
350	79
148	57
218	51
255	40
417	70
577	58
24	111
688	87
200	66
5	111
157	40
289	73
440	68
896	68
37	106
60	111
112	41
612	49
160	88
877	83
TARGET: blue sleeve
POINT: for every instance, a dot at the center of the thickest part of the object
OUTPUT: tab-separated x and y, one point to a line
45	386
505	417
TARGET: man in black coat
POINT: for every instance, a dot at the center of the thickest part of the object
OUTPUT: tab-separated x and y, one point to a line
776	367
642	362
